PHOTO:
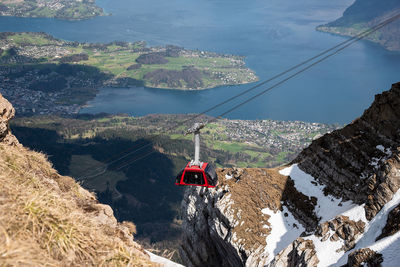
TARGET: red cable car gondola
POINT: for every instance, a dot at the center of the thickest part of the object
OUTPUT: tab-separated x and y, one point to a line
197	173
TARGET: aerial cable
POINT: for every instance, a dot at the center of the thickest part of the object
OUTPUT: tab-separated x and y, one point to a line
115	158
297	73
341	46
347	42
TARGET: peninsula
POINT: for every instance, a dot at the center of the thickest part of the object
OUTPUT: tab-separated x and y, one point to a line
61	9
45	75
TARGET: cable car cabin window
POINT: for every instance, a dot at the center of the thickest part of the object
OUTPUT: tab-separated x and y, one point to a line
193	177
211	174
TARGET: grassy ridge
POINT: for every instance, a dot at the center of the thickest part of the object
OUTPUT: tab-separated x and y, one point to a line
47	219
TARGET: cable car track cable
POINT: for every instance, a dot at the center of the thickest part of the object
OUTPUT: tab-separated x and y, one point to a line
341	47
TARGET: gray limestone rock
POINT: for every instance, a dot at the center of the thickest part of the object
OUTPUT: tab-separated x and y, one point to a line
7	112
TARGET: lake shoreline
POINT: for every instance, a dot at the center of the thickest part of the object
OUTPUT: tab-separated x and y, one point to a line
52	69
272	35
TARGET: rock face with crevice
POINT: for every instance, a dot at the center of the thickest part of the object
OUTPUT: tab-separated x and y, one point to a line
224	226
232	225
7	112
299	253
361	162
365	257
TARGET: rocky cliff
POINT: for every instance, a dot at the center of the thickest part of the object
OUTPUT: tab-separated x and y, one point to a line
49	220
6	113
337	203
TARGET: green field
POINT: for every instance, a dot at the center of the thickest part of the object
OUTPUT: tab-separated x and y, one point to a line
30	39
186	69
116	60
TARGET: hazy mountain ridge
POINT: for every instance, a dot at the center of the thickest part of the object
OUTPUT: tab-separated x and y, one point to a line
363	14
336	204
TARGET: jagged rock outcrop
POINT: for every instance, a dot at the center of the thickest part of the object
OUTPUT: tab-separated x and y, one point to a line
365	257
360	162
319	210
7	112
392	224
341	227
225	227
299	253
209	244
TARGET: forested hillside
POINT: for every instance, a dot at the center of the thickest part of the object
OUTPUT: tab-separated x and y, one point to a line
363	14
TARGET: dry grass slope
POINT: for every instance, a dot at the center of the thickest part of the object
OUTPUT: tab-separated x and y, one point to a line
49	220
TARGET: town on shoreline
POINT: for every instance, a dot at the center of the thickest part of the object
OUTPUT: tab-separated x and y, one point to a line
60	9
40	74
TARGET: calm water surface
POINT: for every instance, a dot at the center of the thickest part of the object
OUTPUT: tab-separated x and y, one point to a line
272	34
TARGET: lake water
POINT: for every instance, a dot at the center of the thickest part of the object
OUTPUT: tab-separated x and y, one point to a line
273	35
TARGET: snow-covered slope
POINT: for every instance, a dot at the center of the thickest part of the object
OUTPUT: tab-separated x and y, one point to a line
162	261
329	247
337	204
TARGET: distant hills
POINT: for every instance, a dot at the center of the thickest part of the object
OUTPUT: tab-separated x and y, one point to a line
363	14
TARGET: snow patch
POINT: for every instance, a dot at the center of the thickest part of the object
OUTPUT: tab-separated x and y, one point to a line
227	177
284	230
389	247
375	161
381	148
327	250
163	261
374	228
327	207
364	176
356	213
387	151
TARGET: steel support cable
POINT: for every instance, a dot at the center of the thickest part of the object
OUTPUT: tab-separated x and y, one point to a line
226	101
107	164
353	40
285	80
104	169
138	148
342	45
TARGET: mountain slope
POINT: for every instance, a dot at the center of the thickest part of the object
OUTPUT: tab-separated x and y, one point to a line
48	219
337	203
363	14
